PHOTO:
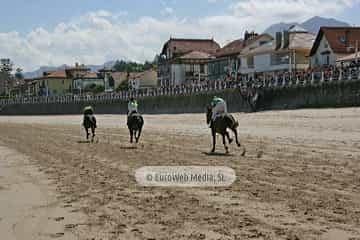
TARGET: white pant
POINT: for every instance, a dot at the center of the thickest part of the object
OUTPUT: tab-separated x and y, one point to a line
132	109
218	109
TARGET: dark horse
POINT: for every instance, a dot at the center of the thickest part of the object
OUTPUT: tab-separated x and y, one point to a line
220	125
89	122
135	124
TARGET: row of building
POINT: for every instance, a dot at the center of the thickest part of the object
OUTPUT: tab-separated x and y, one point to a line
195	61
192	61
80	79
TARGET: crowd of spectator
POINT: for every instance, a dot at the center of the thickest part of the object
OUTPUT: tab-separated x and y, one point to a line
248	85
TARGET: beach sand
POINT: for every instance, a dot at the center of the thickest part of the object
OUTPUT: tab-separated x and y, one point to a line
299	178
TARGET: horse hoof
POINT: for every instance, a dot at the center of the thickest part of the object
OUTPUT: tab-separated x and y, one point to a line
239	145
243	153
212	150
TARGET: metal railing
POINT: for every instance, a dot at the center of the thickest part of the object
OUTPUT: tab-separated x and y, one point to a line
285	80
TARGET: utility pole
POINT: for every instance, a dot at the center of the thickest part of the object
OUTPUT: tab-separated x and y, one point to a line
357	51
290	62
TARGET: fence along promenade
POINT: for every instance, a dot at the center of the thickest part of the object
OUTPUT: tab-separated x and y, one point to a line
285	80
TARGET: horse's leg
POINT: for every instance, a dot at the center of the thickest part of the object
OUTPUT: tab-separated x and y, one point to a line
131	135
93	134
228	137
224	142
214	139
138	137
236	137
87	133
135	132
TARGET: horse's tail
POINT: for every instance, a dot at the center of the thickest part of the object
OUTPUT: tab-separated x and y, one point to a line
236	124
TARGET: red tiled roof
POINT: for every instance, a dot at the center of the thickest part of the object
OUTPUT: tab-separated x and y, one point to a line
90	75
182	46
232	48
341	39
55	74
196	55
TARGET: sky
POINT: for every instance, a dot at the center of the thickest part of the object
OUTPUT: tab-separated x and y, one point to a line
36	33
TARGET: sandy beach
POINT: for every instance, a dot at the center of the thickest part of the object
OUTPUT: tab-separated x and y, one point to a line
299	178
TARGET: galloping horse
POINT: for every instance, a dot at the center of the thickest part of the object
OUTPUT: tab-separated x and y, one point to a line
135	124
89	122
220	125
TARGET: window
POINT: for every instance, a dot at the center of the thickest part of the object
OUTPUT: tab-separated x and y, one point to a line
279	58
262	42
202	68
343	39
250	62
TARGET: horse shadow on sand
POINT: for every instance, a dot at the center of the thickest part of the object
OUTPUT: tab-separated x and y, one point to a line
128	147
84	141
218	154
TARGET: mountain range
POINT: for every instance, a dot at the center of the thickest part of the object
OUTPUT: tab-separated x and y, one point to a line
311	25
39	72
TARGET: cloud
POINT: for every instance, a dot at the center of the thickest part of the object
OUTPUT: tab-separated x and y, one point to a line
167	11
97	37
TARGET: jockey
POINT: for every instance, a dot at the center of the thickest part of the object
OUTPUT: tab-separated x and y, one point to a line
218	107
132	106
89	111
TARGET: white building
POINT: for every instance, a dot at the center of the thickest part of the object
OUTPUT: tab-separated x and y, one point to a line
333	43
288	52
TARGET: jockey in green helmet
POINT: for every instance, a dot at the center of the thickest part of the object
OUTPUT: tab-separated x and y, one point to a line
218	107
132	106
89	111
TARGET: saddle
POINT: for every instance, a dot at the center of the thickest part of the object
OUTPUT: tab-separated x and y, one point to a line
131	115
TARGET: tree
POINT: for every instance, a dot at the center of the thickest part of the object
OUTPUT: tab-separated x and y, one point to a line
123	66
6	67
94	88
124	86
18	74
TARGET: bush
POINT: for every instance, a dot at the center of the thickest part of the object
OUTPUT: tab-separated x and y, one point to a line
124	86
93	88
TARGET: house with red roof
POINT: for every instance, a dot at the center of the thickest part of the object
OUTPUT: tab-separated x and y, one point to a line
334	43
287	52
185	61
54	82
226	61
61	81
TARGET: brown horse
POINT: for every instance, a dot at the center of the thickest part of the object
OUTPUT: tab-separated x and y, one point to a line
220	125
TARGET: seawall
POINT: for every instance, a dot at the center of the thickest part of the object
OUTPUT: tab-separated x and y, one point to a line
336	94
